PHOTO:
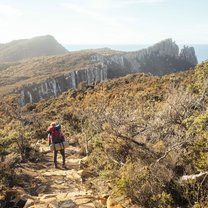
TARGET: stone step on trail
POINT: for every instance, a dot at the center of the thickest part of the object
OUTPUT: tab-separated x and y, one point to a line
64	188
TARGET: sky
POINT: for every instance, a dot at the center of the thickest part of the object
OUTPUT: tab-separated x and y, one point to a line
105	21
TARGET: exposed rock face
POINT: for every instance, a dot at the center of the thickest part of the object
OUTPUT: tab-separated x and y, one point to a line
55	86
164	48
66	72
159	59
188	54
28	48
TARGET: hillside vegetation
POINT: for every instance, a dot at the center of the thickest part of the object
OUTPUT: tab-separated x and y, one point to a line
35	70
145	136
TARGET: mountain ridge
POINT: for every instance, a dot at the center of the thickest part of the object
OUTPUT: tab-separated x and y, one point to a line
40	78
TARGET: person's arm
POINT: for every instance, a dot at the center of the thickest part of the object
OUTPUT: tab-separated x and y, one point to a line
49	139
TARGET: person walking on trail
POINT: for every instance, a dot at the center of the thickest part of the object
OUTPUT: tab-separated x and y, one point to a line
55	136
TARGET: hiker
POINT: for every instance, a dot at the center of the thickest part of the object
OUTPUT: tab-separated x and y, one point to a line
55	136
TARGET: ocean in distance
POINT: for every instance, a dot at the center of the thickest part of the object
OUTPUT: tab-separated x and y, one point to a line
200	49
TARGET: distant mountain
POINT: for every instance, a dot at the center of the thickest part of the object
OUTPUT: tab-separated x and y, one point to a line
29	48
39	78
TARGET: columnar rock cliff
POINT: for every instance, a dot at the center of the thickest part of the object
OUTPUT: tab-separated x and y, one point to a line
56	85
42	78
159	59
188	54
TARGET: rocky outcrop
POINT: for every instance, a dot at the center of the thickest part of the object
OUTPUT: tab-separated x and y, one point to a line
54	86
195	177
188	54
160	59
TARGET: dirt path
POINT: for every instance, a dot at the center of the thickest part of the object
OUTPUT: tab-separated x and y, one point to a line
44	186
60	188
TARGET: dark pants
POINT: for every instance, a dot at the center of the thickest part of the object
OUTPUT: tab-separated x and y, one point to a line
55	156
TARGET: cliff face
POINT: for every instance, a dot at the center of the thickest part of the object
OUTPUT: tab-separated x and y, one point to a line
159	59
55	86
54	75
188	54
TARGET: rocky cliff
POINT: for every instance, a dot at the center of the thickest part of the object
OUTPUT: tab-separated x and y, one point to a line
159	59
28	48
188	54
42	78
56	85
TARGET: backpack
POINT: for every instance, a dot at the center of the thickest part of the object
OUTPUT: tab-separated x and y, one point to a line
56	137
58	127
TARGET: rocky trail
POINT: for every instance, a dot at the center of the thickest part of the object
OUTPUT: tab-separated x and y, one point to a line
53	188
